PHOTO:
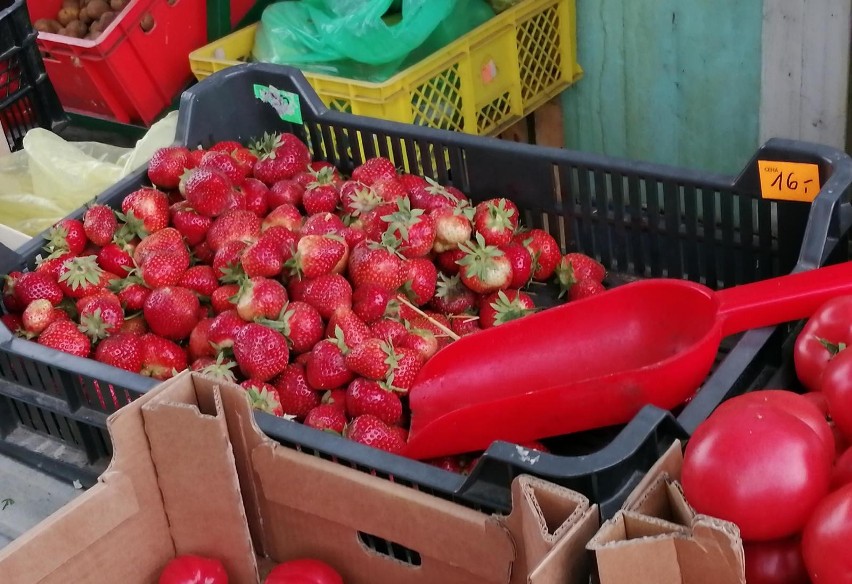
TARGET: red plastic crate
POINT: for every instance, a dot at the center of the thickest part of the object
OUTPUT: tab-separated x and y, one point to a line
126	74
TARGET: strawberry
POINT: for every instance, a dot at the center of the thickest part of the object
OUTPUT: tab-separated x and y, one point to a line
377	263
336	397
496	220
584	289
318	255
162	258
370	430
264	257
12	322
121	350
451	296
353	236
326	365
326	293
261	352
434	196
358	198
500	307
144	211
284	216
484	268
38	314
374	169
321	195
389	189
202	253
574	267
407	366
263	397
322	224
81	276
414	230
100	317
208	191
10	298
280	156
411	182
521	261
85	304
31	286
446	261
301	324
99	224
63	335
391	330
224	329
421	280
132	296
66	236
161	358
226	146
368	397
256	196
167	165
222	298
200	279
465	324
297	398
423	341
225	164
195	157
235	225
353	330
227	261
452	227
372	223
116	259
285	192
220	368
327	417
260	298
370	302
544	251
135	325
372	358
171	312
199	340
192	226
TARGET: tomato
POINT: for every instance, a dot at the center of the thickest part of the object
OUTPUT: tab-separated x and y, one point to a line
827	538
818	399
775	562
837	387
304	571
191	569
832	324
757	466
792	403
841	474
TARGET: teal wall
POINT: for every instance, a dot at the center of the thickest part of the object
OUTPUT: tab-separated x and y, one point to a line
670	81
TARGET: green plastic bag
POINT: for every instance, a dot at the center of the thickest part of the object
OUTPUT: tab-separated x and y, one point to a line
362	39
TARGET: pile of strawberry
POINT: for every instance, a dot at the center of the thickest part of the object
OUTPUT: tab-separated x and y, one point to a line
323	295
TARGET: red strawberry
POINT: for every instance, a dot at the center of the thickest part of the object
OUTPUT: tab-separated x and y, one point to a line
522	263
260	298
263	258
81	276
52	265
389	189
245	158
195	157
224	163
358	198
222	298
407	366
297	398
321	195
452	227
414	230
421	340
544	251
199	340
373	224
31	286
500	307
326	293
374	169
83	304
451	296
327	417
322	224
63	335
496	220
227	261
353	236
391	330
167	165
114	258
66	236
353	330
192	226
226	146
162	258
208	191
161	358
370	302
378	264
144	211
372	358
421	281
484	268
434	196
285	192
326	366
318	255
301	324
220	368
101	316
584	289
446	261
412	182
12	322
39	314
368	397
574	267
121	350
335	397
261	352
465	324
200	279
370	430
263	397
284	216
10	298
132	296
256	196
280	156
171	312
100	224
202	253
224	329
235	225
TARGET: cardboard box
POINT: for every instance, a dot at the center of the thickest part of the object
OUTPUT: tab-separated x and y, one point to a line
191	473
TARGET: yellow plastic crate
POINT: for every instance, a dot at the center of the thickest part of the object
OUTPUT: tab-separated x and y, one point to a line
480	84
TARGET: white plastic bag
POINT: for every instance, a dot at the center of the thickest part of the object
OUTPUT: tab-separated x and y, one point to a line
50	177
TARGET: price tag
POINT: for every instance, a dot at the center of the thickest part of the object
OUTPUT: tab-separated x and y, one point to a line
788	181
286	103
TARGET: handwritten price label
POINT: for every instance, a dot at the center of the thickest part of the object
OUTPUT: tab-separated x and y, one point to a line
788	181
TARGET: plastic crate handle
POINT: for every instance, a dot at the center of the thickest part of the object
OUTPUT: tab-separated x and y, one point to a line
9	259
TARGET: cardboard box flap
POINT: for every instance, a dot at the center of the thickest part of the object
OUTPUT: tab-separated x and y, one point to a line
668	465
568	562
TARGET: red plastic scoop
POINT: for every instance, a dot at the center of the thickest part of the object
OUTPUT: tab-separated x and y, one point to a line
595	362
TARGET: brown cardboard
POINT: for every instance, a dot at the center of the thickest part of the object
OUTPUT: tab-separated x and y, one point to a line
192	474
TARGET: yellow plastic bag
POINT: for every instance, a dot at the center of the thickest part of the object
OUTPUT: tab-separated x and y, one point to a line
50	177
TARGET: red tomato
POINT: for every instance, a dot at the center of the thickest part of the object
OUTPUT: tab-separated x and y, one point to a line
837	387
775	562
792	403
842	472
827	538
818	399
194	570
304	571
832	323
757	466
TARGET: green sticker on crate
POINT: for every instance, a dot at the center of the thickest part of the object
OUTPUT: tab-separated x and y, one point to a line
285	103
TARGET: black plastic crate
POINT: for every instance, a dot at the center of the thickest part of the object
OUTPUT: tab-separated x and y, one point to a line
641	220
27	99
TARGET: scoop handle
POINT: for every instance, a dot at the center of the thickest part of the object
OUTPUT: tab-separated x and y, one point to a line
782	299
